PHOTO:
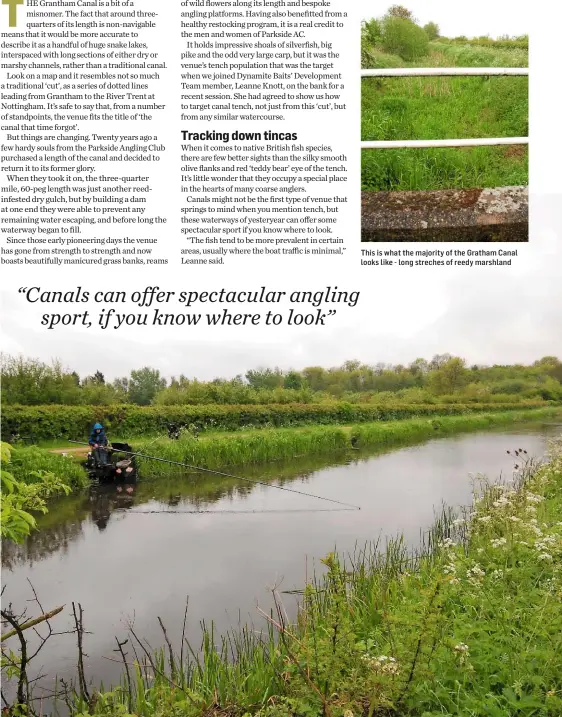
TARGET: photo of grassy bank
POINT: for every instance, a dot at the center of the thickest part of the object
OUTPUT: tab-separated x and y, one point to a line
232	481
401	108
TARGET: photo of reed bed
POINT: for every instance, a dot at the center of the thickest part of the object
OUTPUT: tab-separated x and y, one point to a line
395	108
469	625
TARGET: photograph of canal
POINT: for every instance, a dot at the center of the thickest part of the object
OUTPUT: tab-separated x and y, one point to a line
170	545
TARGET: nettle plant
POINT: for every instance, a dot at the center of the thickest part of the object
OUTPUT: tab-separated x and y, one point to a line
19	500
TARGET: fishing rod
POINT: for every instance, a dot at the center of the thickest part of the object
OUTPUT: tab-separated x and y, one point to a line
227	475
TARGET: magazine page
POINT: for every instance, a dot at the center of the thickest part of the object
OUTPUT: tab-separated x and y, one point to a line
281	358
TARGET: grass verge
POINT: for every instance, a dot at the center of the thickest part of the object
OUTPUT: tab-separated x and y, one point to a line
264	445
445	108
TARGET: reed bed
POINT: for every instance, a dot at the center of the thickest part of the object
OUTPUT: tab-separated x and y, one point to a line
257	446
265	445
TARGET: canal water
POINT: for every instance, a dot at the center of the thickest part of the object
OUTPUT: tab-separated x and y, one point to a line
129	555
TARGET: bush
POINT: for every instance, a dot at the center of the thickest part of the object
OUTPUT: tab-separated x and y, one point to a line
36	423
404	38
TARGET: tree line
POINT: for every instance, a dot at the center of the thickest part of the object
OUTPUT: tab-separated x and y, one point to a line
28	381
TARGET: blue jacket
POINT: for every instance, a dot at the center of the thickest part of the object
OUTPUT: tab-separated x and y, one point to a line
99	438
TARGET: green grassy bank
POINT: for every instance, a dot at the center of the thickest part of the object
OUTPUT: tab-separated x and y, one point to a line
472	626
40	423
445	108
261	446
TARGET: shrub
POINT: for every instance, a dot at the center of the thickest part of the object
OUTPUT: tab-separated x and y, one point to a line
404	38
35	423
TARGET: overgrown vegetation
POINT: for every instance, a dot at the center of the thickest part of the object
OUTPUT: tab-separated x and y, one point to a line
442	379
24	493
31	423
441	108
471	625
255	447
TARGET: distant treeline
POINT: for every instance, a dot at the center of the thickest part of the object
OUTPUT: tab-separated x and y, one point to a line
442	379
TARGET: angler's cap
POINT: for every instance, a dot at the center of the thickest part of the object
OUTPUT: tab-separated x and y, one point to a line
98	427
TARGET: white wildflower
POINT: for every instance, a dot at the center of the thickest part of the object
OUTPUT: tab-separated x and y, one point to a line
545	556
461	647
485	518
447	543
497	542
515	519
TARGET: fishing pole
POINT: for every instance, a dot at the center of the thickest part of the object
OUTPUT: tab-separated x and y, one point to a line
229	475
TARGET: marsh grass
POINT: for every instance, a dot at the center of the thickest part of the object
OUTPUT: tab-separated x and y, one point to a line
445	108
471	624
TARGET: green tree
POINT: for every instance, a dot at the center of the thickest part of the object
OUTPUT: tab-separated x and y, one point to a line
144	384
432	30
372	32
294	380
450	377
265	378
405	38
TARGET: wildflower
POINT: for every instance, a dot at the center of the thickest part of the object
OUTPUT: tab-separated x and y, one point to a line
524	542
497	542
458	522
545	556
383	663
454	581
463	652
532	498
485	518
501	502
515	519
447	543
450	569
461	647
475	574
497	575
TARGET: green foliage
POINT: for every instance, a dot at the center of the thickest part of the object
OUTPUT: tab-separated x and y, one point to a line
20	499
74	422
444	107
404	38
144	385
431	30
470	626
353	381
28	460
